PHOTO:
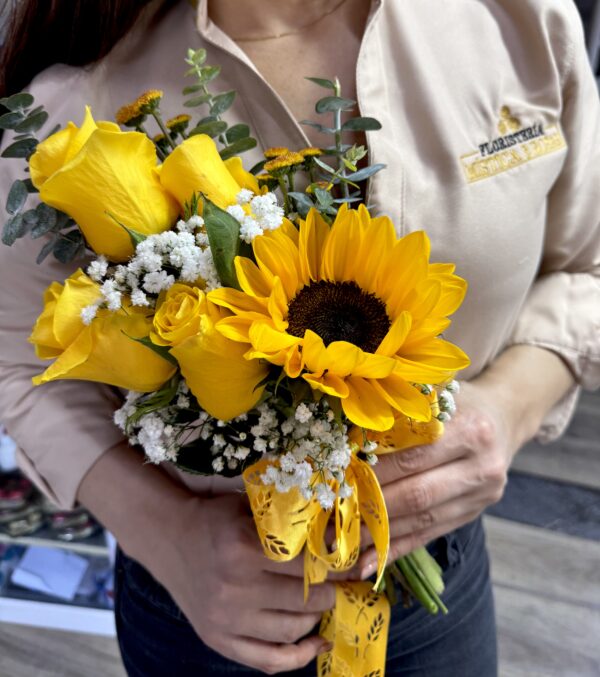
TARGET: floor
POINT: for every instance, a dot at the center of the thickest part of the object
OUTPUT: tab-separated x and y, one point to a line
544	540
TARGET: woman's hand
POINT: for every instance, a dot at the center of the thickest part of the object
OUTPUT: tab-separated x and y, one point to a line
206	552
240	603
432	490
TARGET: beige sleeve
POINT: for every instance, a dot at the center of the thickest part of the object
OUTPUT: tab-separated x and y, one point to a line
63	427
562	311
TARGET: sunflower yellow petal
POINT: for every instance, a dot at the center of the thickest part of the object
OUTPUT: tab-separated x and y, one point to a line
313	235
330	384
379	239
403	267
314	352
278	257
237	301
195	166
251	279
265	339
339	258
396	335
424	331
365	407
404	397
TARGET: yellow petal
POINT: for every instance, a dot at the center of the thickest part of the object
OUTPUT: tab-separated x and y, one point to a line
267	340
50	155
365	407
330	384
243	178
47	346
314	352
278	257
404	397
114	173
222	380
313	235
251	279
237	301
339	257
396	335
195	166
79	291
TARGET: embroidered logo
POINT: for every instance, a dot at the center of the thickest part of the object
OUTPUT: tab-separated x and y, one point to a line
514	146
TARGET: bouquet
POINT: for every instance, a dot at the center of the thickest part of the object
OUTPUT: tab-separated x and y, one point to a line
263	323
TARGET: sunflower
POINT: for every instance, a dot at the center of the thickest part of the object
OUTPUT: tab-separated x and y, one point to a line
352	309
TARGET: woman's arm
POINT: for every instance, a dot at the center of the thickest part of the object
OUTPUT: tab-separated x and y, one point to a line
431	490
205	551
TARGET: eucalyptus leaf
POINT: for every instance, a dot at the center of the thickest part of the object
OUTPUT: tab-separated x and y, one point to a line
11	120
325	166
303	202
13	229
192	89
331	104
32	123
222	102
197	101
258	167
212	128
324	197
30	187
361	124
17	101
365	172
318	127
209	73
238	147
323	82
46	249
46	220
69	246
237	132
17	195
20	149
30	217
224	238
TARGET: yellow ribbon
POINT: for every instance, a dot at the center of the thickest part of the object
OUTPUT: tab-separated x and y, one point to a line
287	523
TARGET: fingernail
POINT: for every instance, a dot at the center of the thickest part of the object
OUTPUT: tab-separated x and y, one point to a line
325	647
368	570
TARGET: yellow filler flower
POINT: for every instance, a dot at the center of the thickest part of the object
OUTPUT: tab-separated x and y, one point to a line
353	309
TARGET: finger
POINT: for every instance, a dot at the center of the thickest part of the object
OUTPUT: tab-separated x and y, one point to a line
398	464
406	544
422	492
277	626
294	567
285	593
269	657
403	526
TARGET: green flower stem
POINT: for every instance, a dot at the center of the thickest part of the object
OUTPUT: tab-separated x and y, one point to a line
163	129
416	586
140	128
337	123
284	191
291	181
425	581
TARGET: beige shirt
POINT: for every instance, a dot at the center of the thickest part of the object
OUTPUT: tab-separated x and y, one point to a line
491	137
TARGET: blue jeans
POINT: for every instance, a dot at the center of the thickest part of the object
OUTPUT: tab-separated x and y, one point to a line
156	639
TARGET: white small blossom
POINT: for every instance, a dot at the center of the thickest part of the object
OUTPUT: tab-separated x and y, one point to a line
154	283
244	196
138	298
97	269
303	413
453	387
372	459
325	495
345	490
89	313
218	464
370	446
444	417
447	403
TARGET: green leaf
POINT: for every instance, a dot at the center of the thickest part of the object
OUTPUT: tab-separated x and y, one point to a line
331	104
323	165
17	101
163	351
237	132
17	196
192	89
46	249
212	128
318	127
197	57
324	197
20	149
258	167
222	102
46	220
197	101
322	82
11	120
134	236
32	123
30	187
303	202
365	172
13	229
209	73
224	238
30	217
361	124
69	246
238	147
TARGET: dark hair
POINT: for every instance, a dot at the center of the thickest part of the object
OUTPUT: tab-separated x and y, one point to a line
41	33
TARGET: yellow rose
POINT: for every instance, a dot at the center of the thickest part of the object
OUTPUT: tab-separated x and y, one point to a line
98	172
179	315
195	166
223	381
101	351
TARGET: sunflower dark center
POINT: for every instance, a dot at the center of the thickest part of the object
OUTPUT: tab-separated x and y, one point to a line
339	311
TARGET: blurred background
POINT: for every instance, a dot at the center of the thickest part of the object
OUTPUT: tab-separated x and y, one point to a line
544	537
